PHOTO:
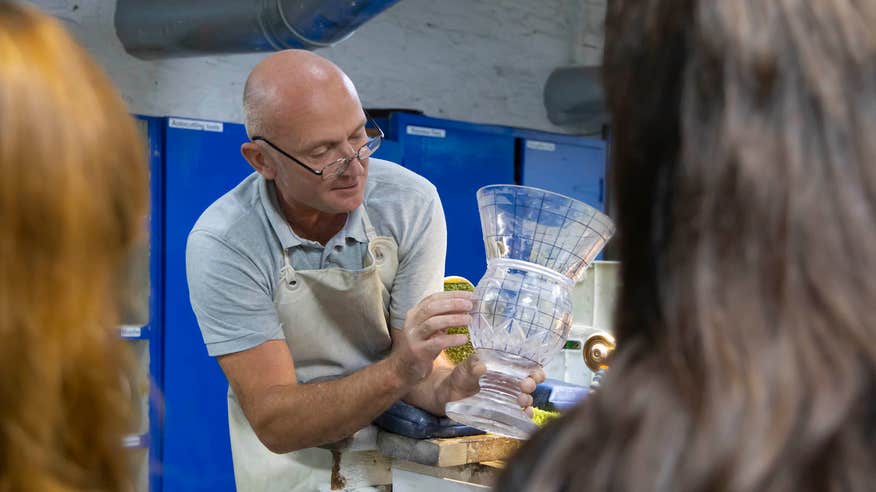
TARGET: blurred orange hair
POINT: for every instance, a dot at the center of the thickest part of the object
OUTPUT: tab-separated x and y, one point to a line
73	203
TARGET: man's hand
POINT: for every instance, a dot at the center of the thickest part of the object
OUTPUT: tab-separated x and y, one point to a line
425	333
527	386
463	382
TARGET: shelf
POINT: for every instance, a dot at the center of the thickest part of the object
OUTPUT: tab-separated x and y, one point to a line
134	332
136	441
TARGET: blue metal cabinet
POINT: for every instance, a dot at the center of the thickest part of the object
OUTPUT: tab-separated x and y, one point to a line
458	158
150	332
202	161
572	166
389	150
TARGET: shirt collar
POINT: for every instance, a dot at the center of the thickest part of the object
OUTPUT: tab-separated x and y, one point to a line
353	229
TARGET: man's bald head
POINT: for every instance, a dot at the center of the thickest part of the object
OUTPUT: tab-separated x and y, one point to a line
287	83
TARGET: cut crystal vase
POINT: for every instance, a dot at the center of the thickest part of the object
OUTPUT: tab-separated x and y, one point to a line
538	245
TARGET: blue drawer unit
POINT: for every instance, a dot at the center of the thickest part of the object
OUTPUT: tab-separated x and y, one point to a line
202	161
458	158
572	166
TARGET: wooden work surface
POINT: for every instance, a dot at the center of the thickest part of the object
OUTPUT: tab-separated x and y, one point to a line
368	458
452	451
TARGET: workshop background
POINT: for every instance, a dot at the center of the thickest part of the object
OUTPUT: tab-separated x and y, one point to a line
461	89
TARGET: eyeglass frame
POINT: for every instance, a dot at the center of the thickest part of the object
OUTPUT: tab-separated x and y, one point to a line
344	160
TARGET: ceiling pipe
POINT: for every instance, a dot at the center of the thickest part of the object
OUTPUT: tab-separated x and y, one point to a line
154	29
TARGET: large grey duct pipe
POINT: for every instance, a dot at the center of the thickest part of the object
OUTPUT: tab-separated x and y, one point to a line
573	98
153	29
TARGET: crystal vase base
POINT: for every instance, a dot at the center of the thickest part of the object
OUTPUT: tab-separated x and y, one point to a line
494	408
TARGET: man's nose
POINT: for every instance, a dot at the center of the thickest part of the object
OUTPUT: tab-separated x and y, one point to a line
352	166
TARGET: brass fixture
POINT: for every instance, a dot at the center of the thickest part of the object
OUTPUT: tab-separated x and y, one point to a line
597	350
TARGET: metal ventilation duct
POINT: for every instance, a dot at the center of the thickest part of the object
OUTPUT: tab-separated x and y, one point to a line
151	29
573	97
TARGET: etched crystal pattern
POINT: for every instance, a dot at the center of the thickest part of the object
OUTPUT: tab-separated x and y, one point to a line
520	311
538	245
541	227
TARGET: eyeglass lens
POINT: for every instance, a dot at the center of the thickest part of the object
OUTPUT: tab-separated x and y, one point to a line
340	166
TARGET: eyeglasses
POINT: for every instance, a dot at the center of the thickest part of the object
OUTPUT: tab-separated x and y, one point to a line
339	166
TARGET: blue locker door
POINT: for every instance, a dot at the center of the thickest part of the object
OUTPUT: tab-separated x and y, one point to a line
202	162
155	140
458	158
572	166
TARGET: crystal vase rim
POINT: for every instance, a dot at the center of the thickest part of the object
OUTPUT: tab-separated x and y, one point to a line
534	267
580	203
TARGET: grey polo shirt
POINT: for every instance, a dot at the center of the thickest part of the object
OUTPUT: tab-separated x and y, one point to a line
235	253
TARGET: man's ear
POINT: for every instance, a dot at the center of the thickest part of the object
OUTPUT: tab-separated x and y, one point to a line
253	154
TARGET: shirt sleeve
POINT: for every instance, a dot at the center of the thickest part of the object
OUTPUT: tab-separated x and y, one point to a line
231	299
422	253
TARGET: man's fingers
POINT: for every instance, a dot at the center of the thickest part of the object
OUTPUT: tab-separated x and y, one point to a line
445	306
441	303
465	376
440	342
524	400
473	366
450	294
439	323
478	369
527	385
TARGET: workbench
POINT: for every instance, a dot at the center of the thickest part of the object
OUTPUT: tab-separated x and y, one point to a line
374	459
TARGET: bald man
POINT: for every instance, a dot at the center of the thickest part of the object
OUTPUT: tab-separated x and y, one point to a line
316	281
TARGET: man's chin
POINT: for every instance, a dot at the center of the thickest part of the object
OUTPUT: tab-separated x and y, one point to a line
346	204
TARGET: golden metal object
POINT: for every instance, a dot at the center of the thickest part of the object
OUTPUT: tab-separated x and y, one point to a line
597	349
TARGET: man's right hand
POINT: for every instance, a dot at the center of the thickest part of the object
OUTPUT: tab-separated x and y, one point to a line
425	335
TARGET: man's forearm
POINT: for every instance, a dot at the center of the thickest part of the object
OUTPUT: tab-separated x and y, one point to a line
300	416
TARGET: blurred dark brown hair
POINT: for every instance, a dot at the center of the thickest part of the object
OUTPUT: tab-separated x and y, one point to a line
73	203
744	161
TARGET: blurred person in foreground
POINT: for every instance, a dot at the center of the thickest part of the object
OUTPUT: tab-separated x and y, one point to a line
745	167
73	202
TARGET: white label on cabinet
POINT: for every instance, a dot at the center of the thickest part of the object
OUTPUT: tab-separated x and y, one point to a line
131	331
425	131
132	441
202	125
537	145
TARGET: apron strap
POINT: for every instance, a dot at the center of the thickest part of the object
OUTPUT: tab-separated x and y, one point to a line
374	251
370	232
287	272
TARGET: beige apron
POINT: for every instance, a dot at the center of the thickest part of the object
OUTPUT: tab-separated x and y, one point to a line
335	322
